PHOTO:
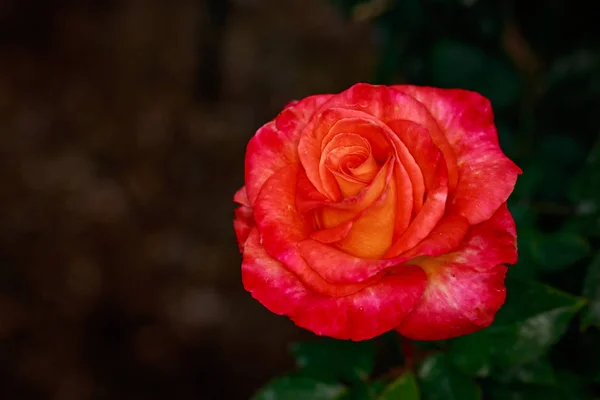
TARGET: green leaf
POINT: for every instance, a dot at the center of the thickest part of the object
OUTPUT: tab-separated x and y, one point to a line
586	222
591	290
440	380
585	188
298	388
560	149
534	318
538	372
557	251
460	65
502	392
364	391
405	388
567	387
335	359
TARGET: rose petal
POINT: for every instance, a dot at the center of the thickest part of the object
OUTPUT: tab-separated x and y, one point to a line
372	233
275	144
348	186
241	197
279	222
338	267
363	315
423	155
487	176
331	164
307	196
244	218
344	121
281	227
445	237
387	104
458	301
326	125
404	198
322	129
465	288
333	214
362	170
427	218
496	238
332	235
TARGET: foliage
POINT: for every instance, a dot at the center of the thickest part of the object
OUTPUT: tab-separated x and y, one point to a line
539	64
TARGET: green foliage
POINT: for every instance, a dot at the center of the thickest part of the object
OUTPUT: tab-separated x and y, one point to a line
591	290
460	65
567	386
441	380
537	372
335	359
543	80
558	250
298	388
532	320
405	387
365	391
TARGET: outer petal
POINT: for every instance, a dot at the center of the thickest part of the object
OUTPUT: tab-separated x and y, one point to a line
457	301
486	175
496	239
360	316
244	218
465	289
275	145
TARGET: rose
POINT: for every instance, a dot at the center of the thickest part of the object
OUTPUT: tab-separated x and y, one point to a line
379	208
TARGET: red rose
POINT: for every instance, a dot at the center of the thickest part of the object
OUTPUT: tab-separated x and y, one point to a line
379	208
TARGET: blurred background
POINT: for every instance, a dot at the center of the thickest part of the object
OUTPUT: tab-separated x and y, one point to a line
124	125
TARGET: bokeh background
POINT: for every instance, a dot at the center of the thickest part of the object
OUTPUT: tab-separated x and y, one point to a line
123	129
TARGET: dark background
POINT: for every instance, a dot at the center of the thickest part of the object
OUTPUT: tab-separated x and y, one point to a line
124	125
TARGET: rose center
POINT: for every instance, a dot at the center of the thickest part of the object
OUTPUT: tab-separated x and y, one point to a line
352	163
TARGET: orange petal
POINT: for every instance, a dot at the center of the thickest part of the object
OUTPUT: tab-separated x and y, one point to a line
337	213
322	128
372	233
344	149
334	234
368	128
405	199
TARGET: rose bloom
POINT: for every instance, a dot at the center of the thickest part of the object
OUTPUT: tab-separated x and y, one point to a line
379	208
